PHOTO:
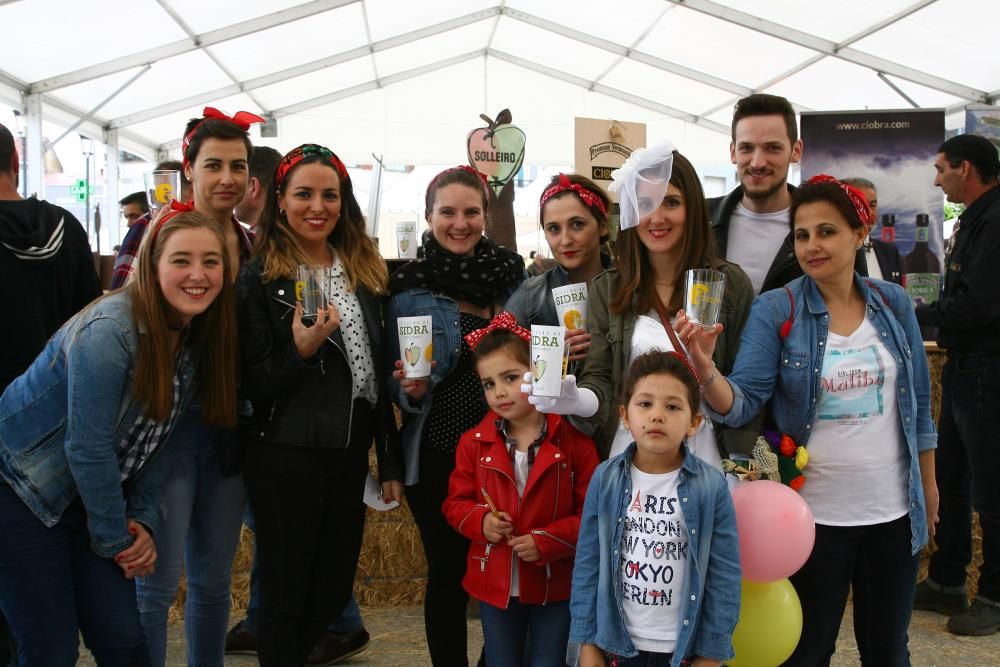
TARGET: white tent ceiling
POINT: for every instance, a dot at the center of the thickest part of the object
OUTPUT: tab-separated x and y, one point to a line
407	79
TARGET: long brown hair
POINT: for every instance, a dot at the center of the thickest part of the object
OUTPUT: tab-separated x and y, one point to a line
635	273
282	254
212	336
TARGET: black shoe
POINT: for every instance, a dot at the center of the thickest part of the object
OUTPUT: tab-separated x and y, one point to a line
980	620
333	648
928	597
240	641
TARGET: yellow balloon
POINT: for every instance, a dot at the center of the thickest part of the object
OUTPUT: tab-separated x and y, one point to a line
770	624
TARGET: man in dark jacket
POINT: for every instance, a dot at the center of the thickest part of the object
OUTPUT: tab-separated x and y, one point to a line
967	315
751	222
47	276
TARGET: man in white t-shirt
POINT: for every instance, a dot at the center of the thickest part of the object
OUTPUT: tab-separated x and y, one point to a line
751	222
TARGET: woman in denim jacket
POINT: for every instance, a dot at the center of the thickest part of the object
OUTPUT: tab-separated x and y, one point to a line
461	283
841	360
83	437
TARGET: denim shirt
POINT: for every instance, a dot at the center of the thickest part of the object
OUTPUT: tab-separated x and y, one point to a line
711	599
788	371
447	347
61	420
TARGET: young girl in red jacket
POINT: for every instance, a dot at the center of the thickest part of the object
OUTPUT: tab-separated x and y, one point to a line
517	492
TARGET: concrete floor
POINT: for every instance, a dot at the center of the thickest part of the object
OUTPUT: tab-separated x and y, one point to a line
398	639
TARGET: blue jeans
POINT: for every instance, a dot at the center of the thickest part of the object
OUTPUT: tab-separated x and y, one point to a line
349	620
54	588
201	532
967	458
532	635
876	562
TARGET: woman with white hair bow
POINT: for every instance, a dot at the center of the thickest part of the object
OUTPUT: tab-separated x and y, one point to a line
664	232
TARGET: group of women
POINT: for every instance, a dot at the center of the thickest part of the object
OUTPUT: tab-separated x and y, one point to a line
92	433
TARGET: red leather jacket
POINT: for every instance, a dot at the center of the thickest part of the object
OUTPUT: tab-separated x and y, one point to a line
550	509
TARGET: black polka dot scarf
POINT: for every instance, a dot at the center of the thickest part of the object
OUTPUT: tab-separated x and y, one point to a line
485	278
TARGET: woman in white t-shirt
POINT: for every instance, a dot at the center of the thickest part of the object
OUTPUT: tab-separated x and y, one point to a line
841	360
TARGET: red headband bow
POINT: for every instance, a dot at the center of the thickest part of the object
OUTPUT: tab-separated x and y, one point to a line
503	320
173	210
566	185
858	199
242	120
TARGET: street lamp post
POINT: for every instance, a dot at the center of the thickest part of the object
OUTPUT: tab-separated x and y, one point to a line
87	146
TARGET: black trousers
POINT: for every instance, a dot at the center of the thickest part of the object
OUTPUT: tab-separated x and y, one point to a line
446	551
310	514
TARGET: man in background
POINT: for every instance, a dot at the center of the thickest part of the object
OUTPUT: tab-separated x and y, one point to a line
882	258
134	206
263	161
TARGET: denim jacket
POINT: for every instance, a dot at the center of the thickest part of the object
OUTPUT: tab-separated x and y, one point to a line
788	371
447	346
711	599
61	420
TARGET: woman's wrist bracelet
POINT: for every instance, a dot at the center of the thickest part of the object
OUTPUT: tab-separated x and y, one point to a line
711	379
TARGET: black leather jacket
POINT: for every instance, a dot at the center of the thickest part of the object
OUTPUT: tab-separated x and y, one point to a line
784	268
306	402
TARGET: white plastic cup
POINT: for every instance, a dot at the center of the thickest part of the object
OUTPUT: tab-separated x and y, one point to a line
571	305
548	360
406	240
416	345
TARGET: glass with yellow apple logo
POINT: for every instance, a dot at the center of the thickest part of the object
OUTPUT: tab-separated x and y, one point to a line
704	289
162	186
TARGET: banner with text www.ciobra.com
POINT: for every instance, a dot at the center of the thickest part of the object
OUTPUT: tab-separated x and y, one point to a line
895	150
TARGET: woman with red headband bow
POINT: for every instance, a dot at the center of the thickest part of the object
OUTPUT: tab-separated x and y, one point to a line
87	440
462	281
841	361
203	496
573	214
318	397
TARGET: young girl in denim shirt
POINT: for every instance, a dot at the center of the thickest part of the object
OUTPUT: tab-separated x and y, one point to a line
656	580
516	493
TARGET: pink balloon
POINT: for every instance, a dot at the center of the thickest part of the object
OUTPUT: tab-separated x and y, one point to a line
776	530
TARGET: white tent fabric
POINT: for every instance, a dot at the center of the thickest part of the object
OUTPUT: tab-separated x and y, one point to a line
407	80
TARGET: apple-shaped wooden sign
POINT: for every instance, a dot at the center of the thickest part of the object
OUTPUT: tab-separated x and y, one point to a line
497	150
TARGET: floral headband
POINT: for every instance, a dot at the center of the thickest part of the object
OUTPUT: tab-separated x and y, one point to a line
296	155
566	185
502	320
858	199
464	167
242	120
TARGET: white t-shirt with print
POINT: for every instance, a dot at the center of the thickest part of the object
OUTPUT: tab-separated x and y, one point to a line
858	469
654	552
753	241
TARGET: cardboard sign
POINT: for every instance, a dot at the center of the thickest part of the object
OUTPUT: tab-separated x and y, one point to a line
603	145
